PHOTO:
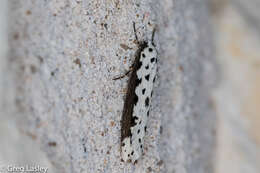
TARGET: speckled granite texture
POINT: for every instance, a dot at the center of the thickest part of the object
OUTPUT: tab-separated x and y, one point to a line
63	56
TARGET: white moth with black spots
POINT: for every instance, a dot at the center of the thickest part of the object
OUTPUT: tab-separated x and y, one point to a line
137	102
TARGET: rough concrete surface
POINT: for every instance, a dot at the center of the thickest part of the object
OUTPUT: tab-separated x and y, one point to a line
62	58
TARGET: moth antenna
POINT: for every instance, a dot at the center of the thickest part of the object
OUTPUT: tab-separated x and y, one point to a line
136	38
154	29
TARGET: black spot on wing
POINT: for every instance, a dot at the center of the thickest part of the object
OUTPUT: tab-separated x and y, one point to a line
153	59
133	121
139	140
148	113
147	101
139	65
135	99
153	79
145	128
147	77
138	81
143	91
143	55
150	49
138	131
147	67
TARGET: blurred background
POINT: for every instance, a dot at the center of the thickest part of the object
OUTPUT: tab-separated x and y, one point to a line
237	34
236	25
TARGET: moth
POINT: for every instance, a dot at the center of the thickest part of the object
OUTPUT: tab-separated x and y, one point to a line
138	99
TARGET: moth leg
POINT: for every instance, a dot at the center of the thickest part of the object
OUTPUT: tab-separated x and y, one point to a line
154	29
124	75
